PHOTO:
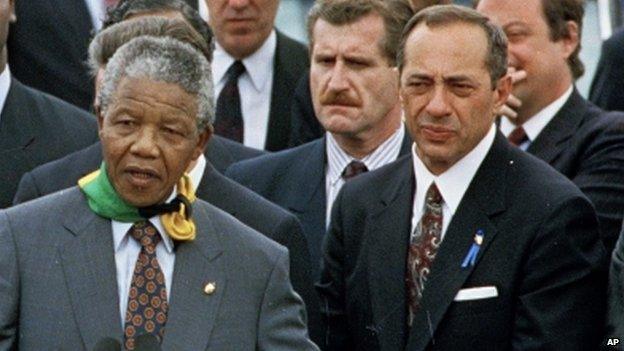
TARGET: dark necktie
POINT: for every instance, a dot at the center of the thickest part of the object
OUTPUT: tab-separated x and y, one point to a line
517	136
423	248
147	298
353	169
229	115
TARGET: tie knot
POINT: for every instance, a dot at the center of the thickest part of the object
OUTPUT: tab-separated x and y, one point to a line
145	233
517	136
235	70
354	168
433	196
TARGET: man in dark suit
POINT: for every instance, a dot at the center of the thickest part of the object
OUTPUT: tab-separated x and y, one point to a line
213	187
48	46
355	95
268	63
607	90
553	121
35	128
469	244
224	286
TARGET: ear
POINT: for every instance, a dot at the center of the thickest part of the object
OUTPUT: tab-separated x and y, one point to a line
12	18
100	120
570	41
202	141
502	91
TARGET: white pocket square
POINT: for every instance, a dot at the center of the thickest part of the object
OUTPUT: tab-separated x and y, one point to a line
479	293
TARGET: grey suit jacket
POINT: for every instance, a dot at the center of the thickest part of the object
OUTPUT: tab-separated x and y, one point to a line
58	289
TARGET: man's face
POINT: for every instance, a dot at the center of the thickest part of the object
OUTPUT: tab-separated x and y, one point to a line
241	26
353	85
531	49
447	93
149	136
7	15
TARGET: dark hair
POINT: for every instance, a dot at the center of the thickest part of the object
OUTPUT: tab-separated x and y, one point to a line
440	15
108	40
557	13
394	13
128	8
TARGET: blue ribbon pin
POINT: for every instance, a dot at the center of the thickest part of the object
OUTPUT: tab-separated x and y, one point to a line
471	257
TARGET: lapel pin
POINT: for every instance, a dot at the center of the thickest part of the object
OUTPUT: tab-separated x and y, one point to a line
210	288
471	257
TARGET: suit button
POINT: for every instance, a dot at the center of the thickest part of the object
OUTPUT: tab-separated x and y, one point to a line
210	288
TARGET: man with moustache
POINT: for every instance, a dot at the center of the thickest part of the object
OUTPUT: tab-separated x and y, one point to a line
131	252
256	69
469	243
354	86
551	119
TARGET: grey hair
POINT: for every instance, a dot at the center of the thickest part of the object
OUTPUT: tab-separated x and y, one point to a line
166	60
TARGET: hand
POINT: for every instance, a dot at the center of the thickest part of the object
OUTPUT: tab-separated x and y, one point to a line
513	103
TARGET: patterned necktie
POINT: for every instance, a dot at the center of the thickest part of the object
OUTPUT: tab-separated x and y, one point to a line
424	243
517	136
229	115
353	168
147	298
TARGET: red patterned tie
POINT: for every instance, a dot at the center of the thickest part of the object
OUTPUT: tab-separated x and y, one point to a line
147	299
424	243
517	136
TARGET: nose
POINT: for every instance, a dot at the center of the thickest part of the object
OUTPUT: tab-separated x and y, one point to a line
145	145
238	4
338	79
438	105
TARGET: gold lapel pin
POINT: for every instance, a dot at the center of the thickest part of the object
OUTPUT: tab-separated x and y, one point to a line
210	288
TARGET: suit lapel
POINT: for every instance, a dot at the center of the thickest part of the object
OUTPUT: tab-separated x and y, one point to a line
558	132
484	198
406	145
387	249
89	266
193	312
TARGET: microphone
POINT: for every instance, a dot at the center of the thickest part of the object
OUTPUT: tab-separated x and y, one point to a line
146	342
107	344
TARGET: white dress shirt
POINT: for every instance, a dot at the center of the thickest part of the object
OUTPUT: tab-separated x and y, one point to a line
97	11
5	85
127	249
338	159
452	184
534	125
254	86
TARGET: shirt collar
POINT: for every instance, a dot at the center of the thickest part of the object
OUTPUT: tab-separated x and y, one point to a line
534	125
5	85
120	229
338	159
259	65
453	183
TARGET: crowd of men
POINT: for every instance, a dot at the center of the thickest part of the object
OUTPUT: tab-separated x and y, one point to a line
421	176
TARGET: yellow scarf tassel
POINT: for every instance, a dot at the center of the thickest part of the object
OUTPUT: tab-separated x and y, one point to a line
176	224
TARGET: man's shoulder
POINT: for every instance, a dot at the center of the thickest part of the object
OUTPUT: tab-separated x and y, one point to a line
46	211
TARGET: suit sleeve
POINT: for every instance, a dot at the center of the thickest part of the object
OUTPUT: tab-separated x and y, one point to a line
9	287
561	294
26	190
282	322
601	179
300	273
615	312
331	287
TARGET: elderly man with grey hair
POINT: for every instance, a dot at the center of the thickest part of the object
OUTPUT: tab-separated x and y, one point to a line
130	256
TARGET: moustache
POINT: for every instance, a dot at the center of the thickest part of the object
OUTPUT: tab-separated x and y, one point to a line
339	98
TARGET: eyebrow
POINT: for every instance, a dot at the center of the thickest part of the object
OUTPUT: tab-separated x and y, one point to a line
453	78
514	23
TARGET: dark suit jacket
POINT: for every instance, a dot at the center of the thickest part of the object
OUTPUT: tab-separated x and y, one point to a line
295	180
59	290
291	61
586	145
243	204
36	128
607	89
304	127
48	48
541	251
